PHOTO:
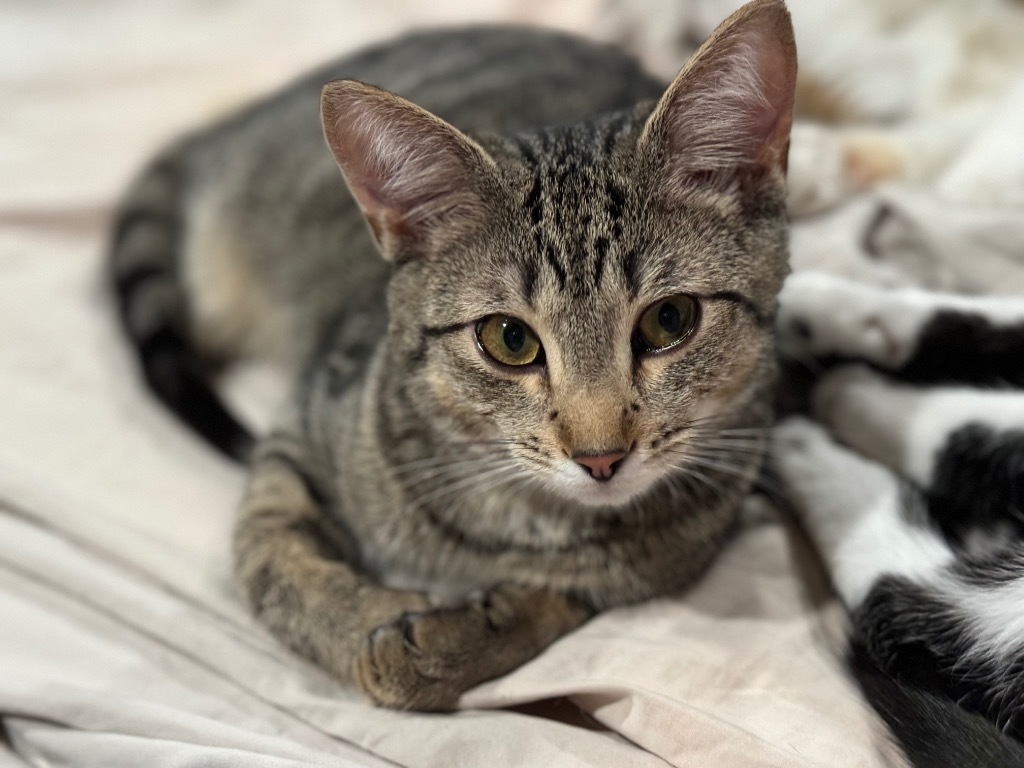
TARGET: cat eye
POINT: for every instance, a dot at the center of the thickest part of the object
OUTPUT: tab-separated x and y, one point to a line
509	341
666	323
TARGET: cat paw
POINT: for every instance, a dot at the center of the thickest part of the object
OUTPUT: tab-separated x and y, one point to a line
822	315
425	660
828	167
853	509
796	448
826	482
398	667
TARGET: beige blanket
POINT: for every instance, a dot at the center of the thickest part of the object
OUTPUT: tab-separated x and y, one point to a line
122	639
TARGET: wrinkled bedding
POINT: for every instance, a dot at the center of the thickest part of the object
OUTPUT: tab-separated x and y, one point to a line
122	638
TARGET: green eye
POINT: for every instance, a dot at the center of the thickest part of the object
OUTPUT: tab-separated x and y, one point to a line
666	323
509	341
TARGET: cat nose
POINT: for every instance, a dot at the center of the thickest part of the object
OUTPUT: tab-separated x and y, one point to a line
600	466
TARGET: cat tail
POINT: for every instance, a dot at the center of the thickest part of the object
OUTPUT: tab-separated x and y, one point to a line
932	730
144	273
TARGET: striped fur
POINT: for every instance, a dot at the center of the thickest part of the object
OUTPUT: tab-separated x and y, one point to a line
422	518
152	304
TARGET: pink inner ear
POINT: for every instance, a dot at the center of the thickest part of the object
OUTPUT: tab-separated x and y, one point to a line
393	157
774	119
731	107
407	169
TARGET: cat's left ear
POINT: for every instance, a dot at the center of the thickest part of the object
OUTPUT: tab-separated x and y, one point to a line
419	181
728	113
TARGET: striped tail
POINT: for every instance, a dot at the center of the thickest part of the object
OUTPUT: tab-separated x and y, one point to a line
144	258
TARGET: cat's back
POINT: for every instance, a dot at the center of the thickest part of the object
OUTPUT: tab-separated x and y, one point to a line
480	79
273	231
502	80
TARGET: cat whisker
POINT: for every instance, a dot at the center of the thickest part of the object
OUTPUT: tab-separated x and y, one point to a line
744	458
732	431
739	442
480	482
741	454
706	427
696	474
534	460
453	471
720	466
703	420
462	482
732	439
499	441
440	463
680	486
435	461
698	448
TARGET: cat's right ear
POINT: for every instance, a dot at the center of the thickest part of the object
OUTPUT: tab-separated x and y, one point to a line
418	180
727	115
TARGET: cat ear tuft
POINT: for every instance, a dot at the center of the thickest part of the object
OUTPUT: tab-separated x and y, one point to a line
730	109
416	179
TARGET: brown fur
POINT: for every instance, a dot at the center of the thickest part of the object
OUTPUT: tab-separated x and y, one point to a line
417	522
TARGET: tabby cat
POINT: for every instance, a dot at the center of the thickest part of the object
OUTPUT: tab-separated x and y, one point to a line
535	386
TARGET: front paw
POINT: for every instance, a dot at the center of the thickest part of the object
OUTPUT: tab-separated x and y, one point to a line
830	485
823	315
427	660
421	660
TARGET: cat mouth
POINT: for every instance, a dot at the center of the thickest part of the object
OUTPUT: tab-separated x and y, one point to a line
624	479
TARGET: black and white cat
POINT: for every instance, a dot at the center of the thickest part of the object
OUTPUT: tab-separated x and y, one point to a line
912	487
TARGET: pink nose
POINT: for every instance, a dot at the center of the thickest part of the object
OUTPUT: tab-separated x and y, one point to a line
601	466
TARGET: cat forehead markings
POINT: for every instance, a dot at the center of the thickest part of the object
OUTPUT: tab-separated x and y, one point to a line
575	207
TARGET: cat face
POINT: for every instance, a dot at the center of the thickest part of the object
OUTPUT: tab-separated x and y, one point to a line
605	337
587	309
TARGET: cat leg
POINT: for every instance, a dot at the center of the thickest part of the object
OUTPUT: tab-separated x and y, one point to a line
907	427
853	510
828	164
942	620
289	562
914	150
964	447
920	335
426	660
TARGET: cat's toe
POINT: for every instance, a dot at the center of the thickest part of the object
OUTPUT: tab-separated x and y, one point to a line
413	662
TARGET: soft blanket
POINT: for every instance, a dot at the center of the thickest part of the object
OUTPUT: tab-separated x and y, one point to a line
122	639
